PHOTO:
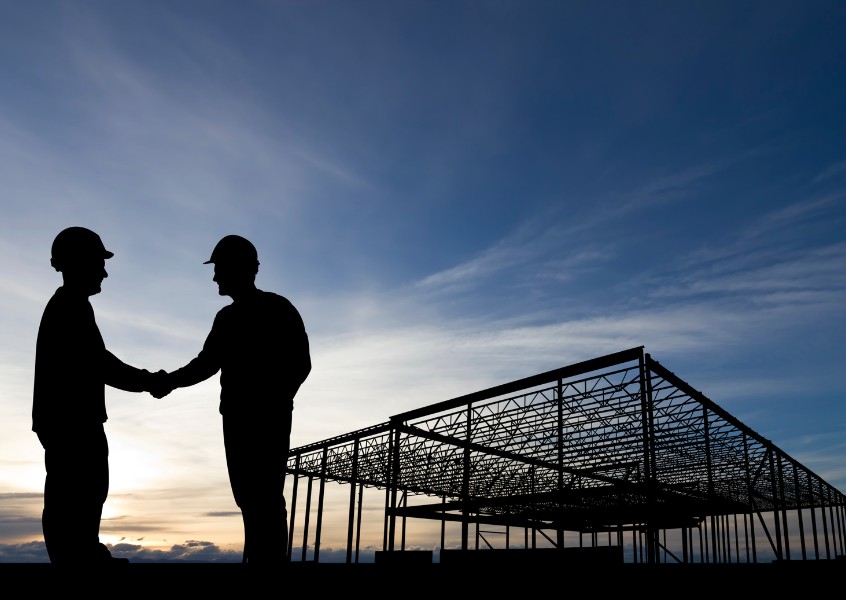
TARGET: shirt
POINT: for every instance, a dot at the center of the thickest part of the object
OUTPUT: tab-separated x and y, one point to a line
260	346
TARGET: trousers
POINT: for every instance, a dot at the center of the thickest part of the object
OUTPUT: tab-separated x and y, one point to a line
75	488
256	459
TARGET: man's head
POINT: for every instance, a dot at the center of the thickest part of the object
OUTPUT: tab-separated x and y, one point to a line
236	263
236	251
76	245
79	254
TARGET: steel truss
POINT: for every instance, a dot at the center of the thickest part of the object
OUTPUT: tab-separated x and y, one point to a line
617	446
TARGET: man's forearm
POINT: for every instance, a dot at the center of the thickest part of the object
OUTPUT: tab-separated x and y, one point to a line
126	377
193	373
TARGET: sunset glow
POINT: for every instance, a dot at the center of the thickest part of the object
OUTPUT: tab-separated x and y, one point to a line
454	195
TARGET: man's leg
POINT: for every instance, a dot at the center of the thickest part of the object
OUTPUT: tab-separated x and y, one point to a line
58	519
266	530
75	490
256	464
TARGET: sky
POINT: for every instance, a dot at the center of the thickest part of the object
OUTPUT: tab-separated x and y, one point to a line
454	194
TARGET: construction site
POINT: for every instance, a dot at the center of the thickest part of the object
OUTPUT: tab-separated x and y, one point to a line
610	461
609	476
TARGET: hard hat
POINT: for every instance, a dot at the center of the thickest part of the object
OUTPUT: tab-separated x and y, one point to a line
75	244
234	249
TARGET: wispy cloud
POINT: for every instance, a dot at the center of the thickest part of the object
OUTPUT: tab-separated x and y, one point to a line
564	242
537	250
834	171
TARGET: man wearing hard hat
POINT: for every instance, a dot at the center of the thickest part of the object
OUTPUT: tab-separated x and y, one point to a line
72	368
260	346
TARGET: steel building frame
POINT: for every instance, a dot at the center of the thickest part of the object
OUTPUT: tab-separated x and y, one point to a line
617	447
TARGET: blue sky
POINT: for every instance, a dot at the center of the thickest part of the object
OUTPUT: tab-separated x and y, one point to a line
454	194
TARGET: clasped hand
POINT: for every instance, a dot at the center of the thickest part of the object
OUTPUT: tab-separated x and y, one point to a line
158	384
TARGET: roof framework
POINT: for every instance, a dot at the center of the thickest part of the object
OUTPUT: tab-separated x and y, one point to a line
617	445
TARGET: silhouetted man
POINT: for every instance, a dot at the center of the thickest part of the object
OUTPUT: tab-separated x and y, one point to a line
260	346
72	368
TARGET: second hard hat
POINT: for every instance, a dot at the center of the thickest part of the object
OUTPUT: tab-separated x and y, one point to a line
234	249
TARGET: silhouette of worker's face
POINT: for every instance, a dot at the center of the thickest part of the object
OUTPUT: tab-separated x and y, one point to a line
85	275
232	278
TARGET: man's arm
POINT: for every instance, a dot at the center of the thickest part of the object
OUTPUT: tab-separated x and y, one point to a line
125	377
300	359
203	366
199	369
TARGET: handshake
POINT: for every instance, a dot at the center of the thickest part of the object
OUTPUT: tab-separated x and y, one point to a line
158	384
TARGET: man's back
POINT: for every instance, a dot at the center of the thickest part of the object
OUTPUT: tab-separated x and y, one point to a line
266	352
68	388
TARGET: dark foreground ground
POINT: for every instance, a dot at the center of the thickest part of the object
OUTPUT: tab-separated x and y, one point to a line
808	578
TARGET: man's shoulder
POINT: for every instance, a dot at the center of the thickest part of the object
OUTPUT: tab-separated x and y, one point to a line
62	303
279	309
261	303
274	299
